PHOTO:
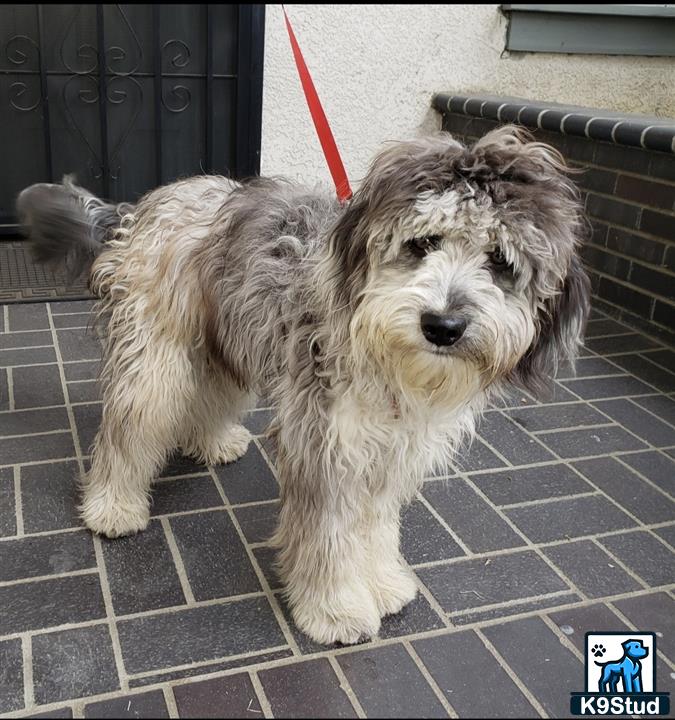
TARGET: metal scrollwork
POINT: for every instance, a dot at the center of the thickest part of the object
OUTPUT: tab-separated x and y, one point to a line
183	96
15	54
182	55
17	90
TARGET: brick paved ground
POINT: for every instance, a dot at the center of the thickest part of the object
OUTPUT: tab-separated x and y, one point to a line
559	520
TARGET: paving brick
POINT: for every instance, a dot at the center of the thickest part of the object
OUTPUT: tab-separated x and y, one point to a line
11	675
223	697
28	422
142	705
387	683
592	441
423	538
49	603
477	457
30	557
178	464
71	306
588	367
82	370
656	612
525	484
141	571
536	419
646	556
258	522
455	661
28	316
551	672
203	633
564	519
664	314
79	344
639	422
474	583
591	570
258	421
574	623
667	534
659	405
73	663
62	712
510	441
7	506
655	466
49	496
32	448
471	517
620	344
248	480
13	340
85	391
87	420
213	667
624	486
266	559
647	371
73	320
416	617
4	390
195	493
215	559
37	386
306	690
28	356
482	615
664	358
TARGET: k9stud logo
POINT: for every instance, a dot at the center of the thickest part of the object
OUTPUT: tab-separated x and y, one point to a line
620	676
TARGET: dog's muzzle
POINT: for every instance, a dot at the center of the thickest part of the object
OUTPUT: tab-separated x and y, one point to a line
442	330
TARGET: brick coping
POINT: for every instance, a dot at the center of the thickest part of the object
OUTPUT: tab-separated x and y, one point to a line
640	131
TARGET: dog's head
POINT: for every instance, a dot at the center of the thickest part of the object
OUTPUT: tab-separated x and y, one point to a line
459	264
634	649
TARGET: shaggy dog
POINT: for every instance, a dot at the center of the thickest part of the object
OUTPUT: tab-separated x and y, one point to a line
379	330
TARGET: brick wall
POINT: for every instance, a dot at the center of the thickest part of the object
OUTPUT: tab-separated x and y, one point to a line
629	195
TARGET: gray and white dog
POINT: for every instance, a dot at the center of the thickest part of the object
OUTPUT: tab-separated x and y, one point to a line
379	330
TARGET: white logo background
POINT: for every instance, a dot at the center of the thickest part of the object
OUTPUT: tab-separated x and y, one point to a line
613	653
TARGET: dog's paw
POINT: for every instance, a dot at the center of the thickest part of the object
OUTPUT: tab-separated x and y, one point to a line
228	448
394	588
598	650
327	627
113	519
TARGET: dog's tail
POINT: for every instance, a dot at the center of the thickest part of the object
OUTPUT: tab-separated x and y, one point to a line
66	225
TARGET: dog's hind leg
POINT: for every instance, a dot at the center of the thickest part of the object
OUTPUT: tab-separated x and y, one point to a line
148	389
212	433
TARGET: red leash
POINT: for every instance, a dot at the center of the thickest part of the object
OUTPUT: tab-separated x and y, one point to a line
330	150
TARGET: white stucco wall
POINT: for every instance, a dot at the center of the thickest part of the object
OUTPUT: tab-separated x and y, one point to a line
376	68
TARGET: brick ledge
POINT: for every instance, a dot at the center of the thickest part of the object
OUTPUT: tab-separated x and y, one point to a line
619	128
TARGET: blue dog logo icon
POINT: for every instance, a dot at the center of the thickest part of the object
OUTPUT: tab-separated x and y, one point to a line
628	669
620	676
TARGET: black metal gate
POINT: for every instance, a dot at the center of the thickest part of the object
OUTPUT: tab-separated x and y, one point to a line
127	97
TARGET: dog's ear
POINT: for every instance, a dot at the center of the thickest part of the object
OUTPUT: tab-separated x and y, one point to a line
562	321
348	251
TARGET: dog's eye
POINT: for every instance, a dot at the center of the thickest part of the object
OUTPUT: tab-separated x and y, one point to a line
422	246
498	259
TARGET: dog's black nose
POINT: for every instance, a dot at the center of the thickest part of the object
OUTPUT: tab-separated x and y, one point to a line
442	330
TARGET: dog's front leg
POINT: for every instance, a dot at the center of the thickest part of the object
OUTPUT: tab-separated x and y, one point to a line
392	581
323	559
